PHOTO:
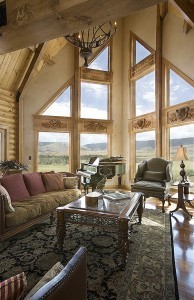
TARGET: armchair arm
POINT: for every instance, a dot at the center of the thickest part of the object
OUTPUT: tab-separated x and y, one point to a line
169	174
70	283
140	171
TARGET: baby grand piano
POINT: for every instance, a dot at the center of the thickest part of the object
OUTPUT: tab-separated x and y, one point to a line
97	169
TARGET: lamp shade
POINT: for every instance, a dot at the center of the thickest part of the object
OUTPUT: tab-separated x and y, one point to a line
181	153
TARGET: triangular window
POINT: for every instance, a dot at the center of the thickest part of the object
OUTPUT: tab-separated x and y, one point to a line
101	62
61	105
180	90
141	52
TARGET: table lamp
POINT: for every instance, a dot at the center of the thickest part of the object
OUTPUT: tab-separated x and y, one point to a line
181	155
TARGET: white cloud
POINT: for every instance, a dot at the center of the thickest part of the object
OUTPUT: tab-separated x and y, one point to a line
92	112
87	138
58	109
145	136
53	137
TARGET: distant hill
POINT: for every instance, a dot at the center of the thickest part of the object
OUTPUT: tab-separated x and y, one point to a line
95	147
53	148
185	142
150	144
60	147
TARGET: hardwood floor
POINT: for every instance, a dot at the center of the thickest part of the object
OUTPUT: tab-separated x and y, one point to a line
183	238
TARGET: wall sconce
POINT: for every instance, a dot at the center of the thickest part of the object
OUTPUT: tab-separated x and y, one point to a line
181	155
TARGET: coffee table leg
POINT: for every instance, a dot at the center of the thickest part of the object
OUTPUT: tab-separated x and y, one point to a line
60	229
123	239
140	209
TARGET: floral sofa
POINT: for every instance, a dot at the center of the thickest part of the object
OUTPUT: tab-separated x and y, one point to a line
27	199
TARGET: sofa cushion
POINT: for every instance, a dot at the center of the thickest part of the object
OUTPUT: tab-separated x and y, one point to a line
70	182
15	186
153	176
34	183
38	205
7	200
13	287
53	182
55	270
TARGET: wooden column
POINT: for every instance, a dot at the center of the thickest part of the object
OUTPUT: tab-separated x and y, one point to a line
158	84
75	113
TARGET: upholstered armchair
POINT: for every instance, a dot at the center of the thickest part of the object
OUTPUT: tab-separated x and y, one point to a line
153	178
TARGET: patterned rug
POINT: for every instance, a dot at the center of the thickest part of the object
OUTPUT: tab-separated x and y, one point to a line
149	273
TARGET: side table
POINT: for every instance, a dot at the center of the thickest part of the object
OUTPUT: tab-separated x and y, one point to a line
182	199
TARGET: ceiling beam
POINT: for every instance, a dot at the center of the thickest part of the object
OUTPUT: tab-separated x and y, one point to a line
186	9
29	71
34	22
163	9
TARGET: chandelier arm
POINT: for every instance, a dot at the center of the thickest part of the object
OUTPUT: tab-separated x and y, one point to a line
98	35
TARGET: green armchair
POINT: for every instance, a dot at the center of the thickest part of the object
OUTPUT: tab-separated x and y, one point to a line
153	178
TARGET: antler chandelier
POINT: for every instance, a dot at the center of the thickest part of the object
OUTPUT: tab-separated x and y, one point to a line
91	38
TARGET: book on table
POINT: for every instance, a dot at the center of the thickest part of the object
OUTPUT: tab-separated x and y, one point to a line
117	196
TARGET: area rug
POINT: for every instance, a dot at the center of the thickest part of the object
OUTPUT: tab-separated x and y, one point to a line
149	272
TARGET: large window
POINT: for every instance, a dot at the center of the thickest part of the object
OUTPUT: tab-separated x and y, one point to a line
94	100
145	146
101	62
53	151
141	52
180	90
182	135
93	145
145	94
61	106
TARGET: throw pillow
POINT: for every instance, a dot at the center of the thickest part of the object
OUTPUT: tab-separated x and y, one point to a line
7	200
53	182
55	270
13	288
70	182
15	186
34	183
153	176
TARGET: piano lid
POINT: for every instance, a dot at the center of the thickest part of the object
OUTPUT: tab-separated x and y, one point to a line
94	161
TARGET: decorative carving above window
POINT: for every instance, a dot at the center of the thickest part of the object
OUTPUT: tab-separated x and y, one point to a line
140	124
95	126
54	124
24	14
96	75
182	114
142	66
45	123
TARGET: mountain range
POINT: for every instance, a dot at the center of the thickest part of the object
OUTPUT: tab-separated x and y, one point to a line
61	147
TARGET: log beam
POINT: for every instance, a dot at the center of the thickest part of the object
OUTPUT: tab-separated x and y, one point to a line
34	22
186	9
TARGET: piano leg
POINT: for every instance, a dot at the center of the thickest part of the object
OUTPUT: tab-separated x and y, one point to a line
119	180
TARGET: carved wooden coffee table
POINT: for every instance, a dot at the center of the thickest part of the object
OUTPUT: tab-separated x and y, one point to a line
114	214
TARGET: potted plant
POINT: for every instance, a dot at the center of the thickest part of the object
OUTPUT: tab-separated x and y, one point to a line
12	166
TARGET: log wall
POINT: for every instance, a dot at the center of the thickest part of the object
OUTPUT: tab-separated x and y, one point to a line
9	120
